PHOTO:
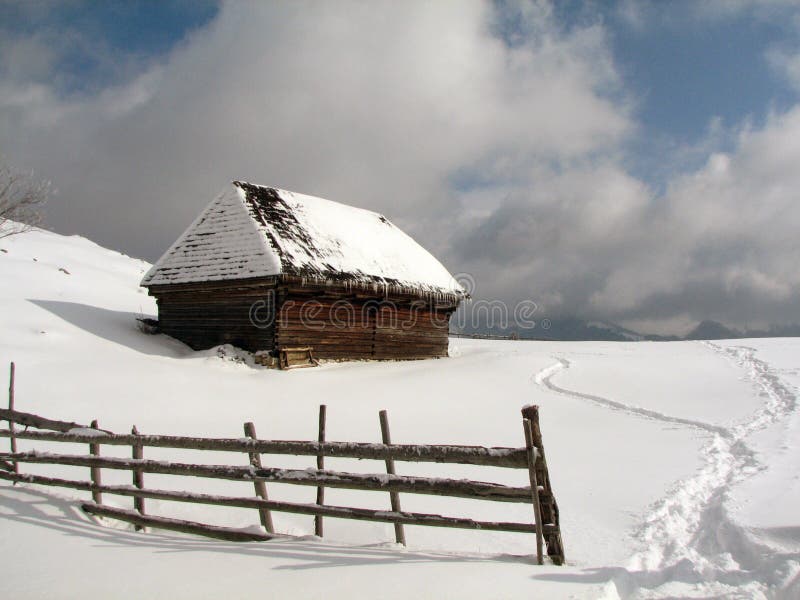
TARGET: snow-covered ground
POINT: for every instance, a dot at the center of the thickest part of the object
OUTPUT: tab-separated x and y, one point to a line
675	465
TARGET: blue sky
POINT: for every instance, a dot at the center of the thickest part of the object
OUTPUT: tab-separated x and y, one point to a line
618	160
688	71
684	76
120	31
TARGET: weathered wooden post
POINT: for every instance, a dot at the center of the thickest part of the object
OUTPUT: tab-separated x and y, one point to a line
137	453
11	428
94	450
320	466
261	488
537	507
394	497
547	500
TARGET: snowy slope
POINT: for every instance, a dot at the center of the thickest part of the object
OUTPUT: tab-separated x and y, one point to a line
675	464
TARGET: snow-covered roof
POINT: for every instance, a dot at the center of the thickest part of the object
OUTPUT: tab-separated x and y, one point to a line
252	231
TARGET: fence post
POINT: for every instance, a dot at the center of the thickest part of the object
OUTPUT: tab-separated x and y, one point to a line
11	428
320	466
137	452
547	500
261	488
394	497
94	450
537	507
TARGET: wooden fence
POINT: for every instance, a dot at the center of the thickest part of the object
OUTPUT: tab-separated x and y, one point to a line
545	525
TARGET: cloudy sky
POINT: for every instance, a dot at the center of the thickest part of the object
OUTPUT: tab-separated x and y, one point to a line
630	161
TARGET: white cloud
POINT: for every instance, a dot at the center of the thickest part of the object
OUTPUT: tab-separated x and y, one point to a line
720	243
786	64
633	13
375	104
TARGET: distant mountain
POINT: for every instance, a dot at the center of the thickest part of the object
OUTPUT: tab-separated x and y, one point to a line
574	329
711	330
566	329
792	330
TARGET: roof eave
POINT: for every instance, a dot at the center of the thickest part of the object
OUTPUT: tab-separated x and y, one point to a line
377	286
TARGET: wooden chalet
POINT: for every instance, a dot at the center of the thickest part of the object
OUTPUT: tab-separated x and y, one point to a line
266	269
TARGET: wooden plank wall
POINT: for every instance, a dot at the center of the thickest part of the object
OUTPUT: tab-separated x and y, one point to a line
361	327
405	332
204	317
333	328
336	324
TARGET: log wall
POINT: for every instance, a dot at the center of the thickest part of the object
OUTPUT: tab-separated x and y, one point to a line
207	315
335	323
411	332
359	327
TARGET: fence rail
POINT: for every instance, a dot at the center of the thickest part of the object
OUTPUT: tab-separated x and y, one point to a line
458	488
514	458
545	526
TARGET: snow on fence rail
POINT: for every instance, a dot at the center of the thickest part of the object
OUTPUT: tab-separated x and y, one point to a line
532	458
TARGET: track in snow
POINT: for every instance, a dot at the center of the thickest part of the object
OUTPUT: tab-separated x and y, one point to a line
544	378
691	548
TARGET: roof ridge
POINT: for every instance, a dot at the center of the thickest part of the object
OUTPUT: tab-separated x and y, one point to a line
242	184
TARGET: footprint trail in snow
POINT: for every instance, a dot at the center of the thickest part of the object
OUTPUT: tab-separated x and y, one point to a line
544	378
691	548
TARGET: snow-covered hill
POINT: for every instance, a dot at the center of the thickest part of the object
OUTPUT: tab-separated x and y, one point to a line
675	464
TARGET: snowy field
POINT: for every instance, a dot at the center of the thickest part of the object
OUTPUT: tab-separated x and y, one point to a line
676	466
